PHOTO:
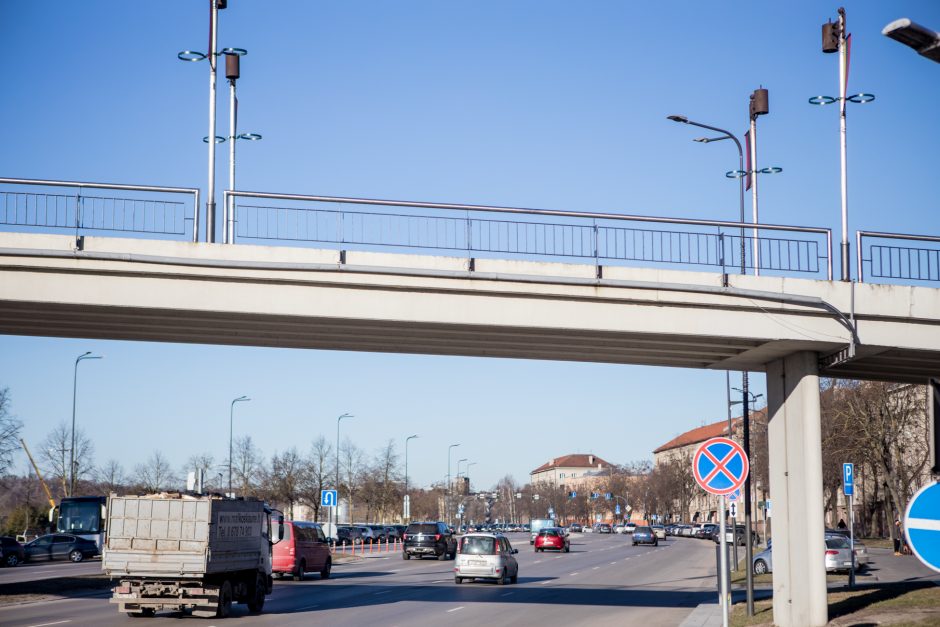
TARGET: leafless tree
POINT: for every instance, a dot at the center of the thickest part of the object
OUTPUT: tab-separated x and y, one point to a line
54	455
283	480
111	476
351	460
246	466
9	431
319	473
155	474
204	462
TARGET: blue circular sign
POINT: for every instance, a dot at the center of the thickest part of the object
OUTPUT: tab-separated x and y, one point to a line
720	466
922	525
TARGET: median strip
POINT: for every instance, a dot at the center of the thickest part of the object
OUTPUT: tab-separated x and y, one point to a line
455	609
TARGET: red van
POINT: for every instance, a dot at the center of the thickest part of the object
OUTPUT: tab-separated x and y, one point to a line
303	549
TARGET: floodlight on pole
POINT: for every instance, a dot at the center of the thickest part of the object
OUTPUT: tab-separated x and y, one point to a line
231	429
922	39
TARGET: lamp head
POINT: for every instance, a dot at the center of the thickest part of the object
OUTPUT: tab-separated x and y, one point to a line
678	118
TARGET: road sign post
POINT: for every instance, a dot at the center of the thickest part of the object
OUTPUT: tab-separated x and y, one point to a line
720	466
848	487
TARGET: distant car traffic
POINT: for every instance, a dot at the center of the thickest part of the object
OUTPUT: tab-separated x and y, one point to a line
575	528
486	556
60	546
429	538
644	535
629	527
552	538
604	528
11	551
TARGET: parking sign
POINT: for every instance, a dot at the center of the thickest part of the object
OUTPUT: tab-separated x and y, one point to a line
848	479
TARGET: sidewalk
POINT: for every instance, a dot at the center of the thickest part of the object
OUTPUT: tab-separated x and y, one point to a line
885	567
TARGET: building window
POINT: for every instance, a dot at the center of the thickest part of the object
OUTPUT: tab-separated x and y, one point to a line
561	476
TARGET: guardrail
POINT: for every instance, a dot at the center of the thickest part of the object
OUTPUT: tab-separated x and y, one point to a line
889	261
601	237
83	212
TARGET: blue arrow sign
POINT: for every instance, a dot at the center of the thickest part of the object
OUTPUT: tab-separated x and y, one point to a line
922	525
328	498
617	510
720	466
848	479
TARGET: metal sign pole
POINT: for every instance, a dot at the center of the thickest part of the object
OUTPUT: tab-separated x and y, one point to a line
723	563
852	540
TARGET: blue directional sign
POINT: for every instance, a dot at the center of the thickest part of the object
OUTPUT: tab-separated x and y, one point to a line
617	510
848	479
720	466
328	498
922	525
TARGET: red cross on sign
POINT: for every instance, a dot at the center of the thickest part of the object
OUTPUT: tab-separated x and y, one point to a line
720	466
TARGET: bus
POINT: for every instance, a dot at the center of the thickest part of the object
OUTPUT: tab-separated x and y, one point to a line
82	516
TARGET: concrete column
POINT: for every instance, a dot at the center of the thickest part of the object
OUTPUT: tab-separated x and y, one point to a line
795	442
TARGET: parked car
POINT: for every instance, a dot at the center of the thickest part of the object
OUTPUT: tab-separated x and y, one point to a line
660	531
575	528
629	527
644	535
705	531
552	538
837	557
737	536
303	548
429	538
11	551
486	556
368	536
604	528
618	529
60	546
861	551
346	535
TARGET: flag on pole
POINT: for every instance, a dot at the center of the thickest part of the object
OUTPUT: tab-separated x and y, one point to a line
848	56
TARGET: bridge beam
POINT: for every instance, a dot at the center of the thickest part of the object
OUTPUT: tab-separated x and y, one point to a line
795	442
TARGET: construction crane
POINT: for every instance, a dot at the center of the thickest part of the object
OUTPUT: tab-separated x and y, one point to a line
38	474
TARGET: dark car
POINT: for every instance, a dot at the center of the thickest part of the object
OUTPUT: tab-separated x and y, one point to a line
575	528
604	528
11	550
348	536
644	535
60	546
429	538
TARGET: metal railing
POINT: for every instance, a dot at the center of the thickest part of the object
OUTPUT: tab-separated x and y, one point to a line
547	233
888	261
98	213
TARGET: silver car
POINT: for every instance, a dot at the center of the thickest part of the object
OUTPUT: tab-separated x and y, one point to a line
838	557
486	556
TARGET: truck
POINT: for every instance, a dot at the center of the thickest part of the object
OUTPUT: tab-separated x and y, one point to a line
537	524
178	551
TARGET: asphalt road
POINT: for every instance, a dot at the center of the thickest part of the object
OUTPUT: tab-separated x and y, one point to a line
602	581
35	571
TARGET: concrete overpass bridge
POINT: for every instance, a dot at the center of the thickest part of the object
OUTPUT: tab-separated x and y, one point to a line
476	304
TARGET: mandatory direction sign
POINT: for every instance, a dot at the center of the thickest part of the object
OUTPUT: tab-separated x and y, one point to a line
922	525
720	466
327	498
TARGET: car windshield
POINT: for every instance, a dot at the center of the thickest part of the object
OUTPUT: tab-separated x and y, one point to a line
642	530
548	532
837	543
478	545
422	528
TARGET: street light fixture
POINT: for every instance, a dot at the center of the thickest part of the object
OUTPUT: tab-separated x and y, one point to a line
231	422
922	39
72	463
448	491
406	510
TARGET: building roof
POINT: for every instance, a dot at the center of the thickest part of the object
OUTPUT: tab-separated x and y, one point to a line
575	460
699	434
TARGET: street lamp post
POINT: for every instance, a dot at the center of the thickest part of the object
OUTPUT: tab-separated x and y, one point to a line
78	359
447	492
747	395
406	510
231	423
336	507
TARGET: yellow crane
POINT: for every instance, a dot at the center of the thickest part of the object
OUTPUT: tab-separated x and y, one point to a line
38	474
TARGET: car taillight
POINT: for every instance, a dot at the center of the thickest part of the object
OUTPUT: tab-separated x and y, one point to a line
832	552
437	536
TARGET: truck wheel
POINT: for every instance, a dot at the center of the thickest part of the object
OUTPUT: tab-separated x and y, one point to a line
325	573
224	607
256	602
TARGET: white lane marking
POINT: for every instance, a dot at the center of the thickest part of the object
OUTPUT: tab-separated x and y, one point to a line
927	524
306	607
573	574
558	557
595	568
537	562
612	563
506	594
455	609
382	592
58	622
542	583
441	581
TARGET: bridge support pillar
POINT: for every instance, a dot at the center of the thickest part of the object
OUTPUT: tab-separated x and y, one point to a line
795	442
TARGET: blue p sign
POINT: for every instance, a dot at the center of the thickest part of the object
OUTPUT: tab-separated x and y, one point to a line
848	479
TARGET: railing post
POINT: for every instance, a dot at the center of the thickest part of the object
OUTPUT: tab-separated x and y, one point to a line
858	257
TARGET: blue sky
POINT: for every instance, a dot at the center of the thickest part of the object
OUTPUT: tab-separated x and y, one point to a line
557	105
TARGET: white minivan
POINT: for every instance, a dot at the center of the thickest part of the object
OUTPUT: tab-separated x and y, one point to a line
486	556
